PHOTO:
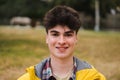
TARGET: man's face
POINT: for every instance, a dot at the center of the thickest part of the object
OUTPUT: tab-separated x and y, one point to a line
61	41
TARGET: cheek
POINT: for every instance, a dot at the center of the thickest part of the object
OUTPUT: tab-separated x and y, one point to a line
72	41
50	41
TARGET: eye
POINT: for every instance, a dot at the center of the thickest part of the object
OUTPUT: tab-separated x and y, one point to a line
55	34
68	34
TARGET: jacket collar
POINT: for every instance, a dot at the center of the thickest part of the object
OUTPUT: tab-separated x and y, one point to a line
47	73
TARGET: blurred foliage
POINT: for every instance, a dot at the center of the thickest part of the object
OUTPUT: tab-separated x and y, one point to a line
106	5
10	8
37	8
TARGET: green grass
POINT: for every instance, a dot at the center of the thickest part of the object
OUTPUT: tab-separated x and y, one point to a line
23	47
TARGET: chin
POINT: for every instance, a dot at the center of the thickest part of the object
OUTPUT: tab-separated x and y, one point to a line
63	56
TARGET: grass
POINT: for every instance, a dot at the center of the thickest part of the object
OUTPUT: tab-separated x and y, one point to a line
23	47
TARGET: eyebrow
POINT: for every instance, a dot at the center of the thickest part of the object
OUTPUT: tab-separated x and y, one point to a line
71	31
54	31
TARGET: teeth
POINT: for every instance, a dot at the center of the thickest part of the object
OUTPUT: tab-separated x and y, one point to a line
61	47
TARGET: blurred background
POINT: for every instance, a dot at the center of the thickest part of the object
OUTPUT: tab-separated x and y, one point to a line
22	36
29	12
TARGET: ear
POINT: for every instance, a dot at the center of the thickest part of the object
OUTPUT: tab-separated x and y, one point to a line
76	39
46	39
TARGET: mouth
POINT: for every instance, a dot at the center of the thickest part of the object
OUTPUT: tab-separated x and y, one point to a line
62	49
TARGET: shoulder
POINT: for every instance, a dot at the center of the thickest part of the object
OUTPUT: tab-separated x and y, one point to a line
87	71
33	71
89	74
29	75
24	77
82	64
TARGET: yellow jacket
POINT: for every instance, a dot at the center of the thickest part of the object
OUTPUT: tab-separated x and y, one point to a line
84	74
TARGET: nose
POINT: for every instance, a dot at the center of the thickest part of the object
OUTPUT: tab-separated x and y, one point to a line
61	40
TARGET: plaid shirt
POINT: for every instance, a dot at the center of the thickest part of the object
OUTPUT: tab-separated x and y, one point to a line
47	73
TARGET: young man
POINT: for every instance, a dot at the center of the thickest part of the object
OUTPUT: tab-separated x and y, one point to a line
62	24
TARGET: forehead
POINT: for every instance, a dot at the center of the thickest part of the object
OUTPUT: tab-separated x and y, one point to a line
60	29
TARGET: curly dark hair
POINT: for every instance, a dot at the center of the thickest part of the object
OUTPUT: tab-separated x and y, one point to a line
62	15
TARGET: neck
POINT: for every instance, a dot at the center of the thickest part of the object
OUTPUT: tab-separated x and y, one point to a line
61	67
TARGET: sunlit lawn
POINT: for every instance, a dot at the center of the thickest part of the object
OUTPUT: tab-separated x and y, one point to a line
21	47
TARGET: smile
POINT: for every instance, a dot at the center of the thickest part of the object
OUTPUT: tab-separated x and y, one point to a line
62	48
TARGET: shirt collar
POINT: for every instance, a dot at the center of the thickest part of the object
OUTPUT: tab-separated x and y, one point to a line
47	73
